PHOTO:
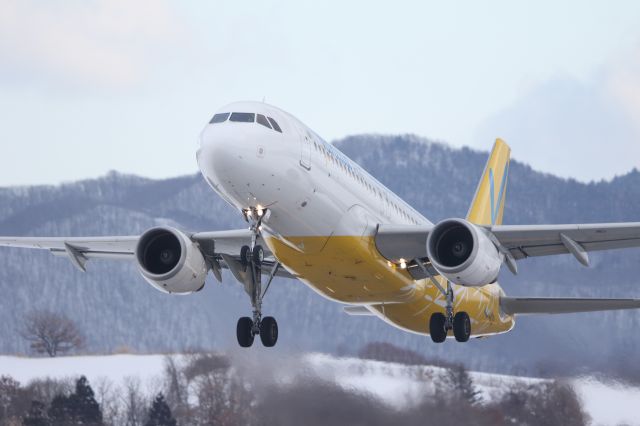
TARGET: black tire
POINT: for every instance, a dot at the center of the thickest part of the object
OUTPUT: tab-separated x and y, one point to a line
245	254
462	326
437	328
258	255
244	332
269	331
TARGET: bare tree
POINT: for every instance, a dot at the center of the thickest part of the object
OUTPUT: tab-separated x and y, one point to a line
51	333
107	395
134	409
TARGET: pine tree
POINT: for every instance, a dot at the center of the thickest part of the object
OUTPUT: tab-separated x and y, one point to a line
460	384
80	407
85	407
160	413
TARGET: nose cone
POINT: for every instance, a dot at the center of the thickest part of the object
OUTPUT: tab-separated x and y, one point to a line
228	155
216	154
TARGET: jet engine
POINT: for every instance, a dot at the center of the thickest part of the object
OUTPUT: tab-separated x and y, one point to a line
463	253
170	261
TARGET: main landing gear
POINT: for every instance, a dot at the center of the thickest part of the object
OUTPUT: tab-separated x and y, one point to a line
251	258
440	324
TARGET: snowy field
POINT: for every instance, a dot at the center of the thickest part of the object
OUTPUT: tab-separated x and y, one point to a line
606	403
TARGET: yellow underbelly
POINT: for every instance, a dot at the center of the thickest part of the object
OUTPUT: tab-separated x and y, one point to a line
349	269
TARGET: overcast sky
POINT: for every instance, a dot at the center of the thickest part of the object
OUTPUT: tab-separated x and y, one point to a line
92	86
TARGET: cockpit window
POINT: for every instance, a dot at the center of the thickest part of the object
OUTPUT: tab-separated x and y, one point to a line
275	125
261	119
219	118
243	117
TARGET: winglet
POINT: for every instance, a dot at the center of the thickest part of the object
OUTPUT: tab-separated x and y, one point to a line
487	207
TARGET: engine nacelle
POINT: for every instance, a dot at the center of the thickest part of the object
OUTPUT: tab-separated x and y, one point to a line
170	261
463	253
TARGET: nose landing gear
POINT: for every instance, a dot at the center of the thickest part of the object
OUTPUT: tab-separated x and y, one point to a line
267	328
252	258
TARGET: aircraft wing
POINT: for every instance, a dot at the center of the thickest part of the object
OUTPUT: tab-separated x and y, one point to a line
222	246
529	305
409	242
122	247
544	240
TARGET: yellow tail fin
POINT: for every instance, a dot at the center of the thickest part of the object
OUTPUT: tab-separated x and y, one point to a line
487	206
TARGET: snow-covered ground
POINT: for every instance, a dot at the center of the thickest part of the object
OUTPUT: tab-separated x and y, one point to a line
398	383
607	403
114	367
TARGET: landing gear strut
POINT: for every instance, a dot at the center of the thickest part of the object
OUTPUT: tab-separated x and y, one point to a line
439	323
252	258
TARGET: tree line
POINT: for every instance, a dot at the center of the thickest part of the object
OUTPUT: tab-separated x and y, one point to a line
208	389
33	405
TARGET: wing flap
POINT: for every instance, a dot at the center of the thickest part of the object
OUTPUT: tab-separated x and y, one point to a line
531	305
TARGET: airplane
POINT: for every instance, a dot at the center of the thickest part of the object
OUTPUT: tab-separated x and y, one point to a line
316	216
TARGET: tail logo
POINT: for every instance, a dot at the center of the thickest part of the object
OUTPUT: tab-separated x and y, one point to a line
495	203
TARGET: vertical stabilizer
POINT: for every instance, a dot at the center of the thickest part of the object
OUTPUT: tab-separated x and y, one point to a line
487	206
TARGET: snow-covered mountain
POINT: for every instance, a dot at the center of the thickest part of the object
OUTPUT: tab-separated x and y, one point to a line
116	308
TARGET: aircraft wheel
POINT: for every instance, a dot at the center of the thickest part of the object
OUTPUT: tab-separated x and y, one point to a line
245	255
269	331
244	332
437	328
462	326
258	255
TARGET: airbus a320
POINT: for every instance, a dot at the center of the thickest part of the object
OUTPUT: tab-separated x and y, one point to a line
316	216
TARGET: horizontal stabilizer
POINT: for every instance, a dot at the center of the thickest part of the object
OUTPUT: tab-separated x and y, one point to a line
529	305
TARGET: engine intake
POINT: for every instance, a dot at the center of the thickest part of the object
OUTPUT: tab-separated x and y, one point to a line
160	251
463	253
170	261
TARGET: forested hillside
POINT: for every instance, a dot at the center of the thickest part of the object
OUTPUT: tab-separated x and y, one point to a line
115	307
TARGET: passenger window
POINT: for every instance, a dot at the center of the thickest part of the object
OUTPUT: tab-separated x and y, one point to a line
261	119
243	117
219	118
275	125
